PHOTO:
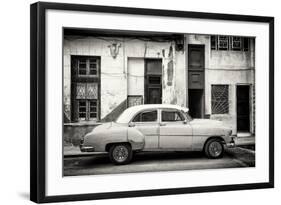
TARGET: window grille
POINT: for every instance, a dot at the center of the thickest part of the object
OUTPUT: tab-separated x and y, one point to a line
235	43
134	100
223	42
220	99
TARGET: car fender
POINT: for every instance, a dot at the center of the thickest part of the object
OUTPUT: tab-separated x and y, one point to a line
100	138
135	138
202	133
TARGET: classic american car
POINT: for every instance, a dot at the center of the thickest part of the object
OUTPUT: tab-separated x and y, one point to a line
157	127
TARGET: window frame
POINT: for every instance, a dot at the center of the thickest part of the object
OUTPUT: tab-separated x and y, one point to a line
228	99
241	43
243	39
88	60
87	112
227	42
172	110
85	79
146	110
78	109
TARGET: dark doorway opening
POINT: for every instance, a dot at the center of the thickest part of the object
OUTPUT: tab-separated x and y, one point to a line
153	81
195	103
243	108
196	76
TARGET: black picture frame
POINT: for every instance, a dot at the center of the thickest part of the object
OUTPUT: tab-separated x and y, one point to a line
38	100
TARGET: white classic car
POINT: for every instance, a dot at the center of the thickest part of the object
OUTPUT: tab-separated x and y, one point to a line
156	127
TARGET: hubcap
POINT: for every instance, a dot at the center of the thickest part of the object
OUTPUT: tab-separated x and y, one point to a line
120	153
215	149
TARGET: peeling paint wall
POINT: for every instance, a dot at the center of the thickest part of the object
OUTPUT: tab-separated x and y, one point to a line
114	71
124	75
227	67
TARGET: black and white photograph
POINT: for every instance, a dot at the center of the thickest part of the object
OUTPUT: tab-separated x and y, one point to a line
133	102
156	101
140	102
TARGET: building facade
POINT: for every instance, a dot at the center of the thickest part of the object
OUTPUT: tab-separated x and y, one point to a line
214	76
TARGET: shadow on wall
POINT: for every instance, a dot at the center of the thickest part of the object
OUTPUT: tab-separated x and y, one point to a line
73	132
114	114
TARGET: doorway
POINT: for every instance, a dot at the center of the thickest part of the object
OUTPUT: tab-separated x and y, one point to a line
243	108
195	103
153	81
196	77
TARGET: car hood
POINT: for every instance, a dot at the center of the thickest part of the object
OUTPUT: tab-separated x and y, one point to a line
206	122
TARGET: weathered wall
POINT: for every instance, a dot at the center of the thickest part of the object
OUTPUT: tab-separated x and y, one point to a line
136	76
117	74
114	71
226	67
73	133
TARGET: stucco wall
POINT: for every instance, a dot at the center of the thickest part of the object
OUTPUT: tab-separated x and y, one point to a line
124	75
114	71
227	67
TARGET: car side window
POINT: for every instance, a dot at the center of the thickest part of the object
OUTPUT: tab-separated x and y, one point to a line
171	116
148	116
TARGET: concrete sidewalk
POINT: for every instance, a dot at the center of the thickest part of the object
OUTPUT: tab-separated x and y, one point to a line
70	150
239	141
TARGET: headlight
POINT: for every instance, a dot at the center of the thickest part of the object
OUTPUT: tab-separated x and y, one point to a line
81	140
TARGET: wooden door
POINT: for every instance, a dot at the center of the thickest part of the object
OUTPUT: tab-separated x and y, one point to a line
153	81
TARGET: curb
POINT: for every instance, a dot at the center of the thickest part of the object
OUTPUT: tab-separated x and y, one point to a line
83	154
247	150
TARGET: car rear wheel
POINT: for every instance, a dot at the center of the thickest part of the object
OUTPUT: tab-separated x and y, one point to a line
120	153
214	149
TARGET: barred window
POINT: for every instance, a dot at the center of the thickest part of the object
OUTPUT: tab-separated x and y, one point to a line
85	88
222	42
134	100
235	43
220	99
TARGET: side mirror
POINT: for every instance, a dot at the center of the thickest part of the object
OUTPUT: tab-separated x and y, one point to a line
131	124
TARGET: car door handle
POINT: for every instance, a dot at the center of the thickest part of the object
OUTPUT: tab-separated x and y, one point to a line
162	124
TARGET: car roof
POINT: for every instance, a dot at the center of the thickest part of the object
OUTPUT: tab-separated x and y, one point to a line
138	108
127	115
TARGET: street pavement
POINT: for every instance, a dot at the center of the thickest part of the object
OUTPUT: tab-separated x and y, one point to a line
94	164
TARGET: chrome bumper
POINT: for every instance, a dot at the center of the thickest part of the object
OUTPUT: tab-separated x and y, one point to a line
231	144
87	148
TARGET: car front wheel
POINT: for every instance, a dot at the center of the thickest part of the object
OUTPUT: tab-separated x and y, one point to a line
120	154
214	149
